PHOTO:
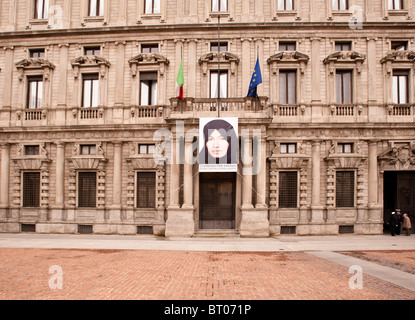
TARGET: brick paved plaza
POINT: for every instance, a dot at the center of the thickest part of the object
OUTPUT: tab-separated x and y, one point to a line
186	275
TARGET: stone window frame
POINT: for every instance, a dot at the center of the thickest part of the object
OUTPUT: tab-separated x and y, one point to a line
88	20
148	62
32	67
296	12
332	14
356	161
78	162
86	64
137	162
344	60
144	17
398	60
228	62
211	16
405	12
39	163
288	60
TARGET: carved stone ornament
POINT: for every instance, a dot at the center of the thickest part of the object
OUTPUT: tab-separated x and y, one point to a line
90	61
402	158
345	57
396	56
148	59
288	57
226	58
33	64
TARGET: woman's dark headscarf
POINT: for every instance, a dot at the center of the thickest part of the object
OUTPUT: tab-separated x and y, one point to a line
228	132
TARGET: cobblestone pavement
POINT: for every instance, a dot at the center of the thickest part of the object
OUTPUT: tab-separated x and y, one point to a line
183	275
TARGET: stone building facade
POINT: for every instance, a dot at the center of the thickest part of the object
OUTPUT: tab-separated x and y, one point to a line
92	132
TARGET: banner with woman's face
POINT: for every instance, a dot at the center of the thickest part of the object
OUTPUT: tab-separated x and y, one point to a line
218	145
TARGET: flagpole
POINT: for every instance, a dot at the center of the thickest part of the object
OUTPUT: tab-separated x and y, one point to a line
218	103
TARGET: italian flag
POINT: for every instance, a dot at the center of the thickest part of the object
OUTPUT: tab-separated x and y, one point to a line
180	82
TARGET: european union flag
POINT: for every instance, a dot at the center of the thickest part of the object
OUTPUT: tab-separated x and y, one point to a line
255	81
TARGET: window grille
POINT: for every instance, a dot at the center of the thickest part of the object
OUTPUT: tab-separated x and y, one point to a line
31	150
345	186
144	229
346	229
87	189
31	189
146	189
288	229
288	188
25	227
85	229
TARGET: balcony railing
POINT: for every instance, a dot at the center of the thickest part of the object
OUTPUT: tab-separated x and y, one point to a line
403	110
245	104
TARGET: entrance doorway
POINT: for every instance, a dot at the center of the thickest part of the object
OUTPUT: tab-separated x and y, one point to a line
217	200
398	192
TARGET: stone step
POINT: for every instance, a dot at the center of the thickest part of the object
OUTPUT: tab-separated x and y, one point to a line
216	233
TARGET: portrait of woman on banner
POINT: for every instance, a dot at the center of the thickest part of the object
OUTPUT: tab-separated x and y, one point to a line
220	143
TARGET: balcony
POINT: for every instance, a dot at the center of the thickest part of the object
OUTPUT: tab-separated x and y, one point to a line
208	107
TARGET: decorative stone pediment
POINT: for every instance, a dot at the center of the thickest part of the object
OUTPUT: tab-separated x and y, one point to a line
97	63
143	163
345	161
148	59
90	60
212	57
289	56
226	58
34	64
402	158
289	161
288	59
345	58
399	56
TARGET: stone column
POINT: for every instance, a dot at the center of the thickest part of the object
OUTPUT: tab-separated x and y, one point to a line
116	192
188	174
5	178
191	67
375	209
60	175
261	175
174	176
316	207
246	174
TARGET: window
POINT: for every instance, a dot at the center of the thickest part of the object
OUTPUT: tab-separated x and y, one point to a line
288	183
344	86
96	8
86	149
343	46
146	189
92	51
31	150
223	85
285	5
31	189
37	53
35	92
340	4
399	45
146	148
87	189
41	9
222	46
152	6
150	48
288	148
288	87
287	46
148	87
345	148
90	90
400	88
395	4
219	5
345	185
